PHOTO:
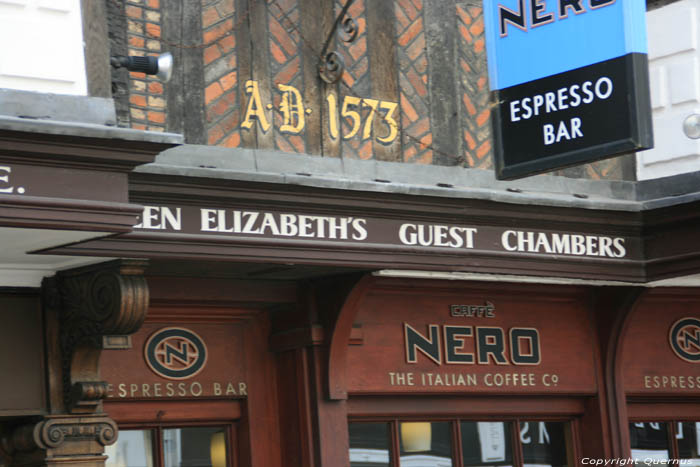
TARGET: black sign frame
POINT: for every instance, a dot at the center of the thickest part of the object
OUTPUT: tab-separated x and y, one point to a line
620	126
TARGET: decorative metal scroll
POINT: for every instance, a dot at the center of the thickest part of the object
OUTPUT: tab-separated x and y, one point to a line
332	65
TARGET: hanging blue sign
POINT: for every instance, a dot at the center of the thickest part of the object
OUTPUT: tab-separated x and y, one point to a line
569	79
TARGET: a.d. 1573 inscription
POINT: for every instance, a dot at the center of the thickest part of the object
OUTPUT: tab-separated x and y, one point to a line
359	114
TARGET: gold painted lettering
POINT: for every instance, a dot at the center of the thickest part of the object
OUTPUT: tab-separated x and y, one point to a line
145	390
169	389
196	389
242	389
134	389
122	390
182	391
157	390
292	108
230	391
255	107
217	389
332	115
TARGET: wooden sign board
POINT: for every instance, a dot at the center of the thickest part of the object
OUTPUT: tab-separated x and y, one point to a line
189	361
661	353
418	342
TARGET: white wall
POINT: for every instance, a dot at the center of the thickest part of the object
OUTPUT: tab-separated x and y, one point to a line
41	46
675	89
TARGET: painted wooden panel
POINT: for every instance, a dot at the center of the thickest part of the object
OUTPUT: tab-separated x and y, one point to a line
661	352
459	341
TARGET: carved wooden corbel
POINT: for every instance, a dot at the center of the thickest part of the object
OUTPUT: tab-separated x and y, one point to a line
92	303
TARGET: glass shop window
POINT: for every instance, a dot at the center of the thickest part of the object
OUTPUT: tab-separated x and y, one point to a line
460	443
171	447
666	441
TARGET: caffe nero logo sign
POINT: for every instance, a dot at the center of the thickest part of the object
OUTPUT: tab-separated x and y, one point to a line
175	353
684	338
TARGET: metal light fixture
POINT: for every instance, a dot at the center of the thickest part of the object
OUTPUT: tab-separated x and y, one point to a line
691	126
416	436
161	66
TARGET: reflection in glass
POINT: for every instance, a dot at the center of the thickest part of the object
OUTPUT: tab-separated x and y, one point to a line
134	448
486	444
649	441
544	444
688	436
425	444
369	444
194	447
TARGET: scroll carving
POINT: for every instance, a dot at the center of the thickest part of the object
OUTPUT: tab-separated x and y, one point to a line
92	303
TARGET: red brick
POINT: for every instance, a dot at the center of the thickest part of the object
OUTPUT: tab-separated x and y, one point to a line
153	30
229	123
139	101
233	141
134	11
233	62
156	117
401	17
409	153
226	7
227	43
138	126
420	127
358	48
217	32
348	79
138	42
479	46
408	7
464	32
356	9
155	87
288	72
277	52
155	4
408	109
483	150
463	15
210	17
298	143
481	82
468	104
469	139
365	151
282	37
417	48
478	27
212	92
465	66
136	75
211	53
410	33
215	134
229	80
417	83
483	117
426	140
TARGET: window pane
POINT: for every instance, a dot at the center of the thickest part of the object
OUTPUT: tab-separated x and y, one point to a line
195	447
688	436
544	443
134	448
487	443
425	444
369	444
649	441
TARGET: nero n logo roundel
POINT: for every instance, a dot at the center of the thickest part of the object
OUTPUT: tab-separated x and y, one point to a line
684	338
175	353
